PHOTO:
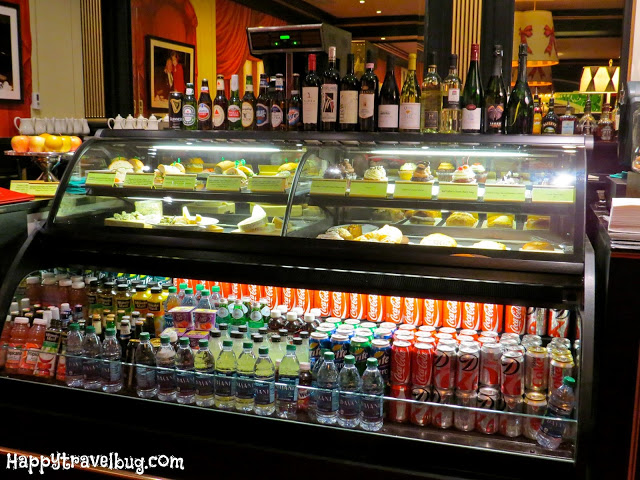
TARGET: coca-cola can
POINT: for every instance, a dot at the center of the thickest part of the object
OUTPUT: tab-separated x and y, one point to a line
404	335
412	311
375	308
322	300
561	366
407	327
442	417
420	413
432	313
420	335
535	403
469	332
422	364
488	399
393	309
289	298
490	355
515	319
558	324
512	373
491	317
465	420
536	369
427	329
339	304
536	321
400	362
470	315
357	305
444	367
448	330
399	409
468	368
451	314
511	425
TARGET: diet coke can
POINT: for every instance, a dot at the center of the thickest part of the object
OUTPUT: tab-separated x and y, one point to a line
420	413
451	314
511	425
432	313
442	417
558	324
470	315
488	399
444	367
535	403
512	373
399	409
536	321
531	341
510	336
536	369
561	366
468	368
490	355
491	317
400	362
515	319
465	420
422	364
468	332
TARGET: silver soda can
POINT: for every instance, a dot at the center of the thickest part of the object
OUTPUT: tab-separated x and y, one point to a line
420	413
465	420
468	370
488	399
511	425
444	367
512	373
510	336
490	355
442	417
535	403
536	321
536	369
558	323
531	340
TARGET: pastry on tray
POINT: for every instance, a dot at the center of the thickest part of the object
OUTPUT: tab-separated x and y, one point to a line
333	172
406	171
334	235
347	169
445	172
480	172
464	174
422	174
386	234
538	246
500	221
490	245
347	232
439	240
377	173
423	217
536	222
461	219
388	214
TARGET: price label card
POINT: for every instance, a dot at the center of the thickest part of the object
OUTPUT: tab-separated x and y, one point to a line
504	193
551	194
268	169
262	183
20	186
139	180
224	183
366	188
420	190
101	179
43	189
458	191
329	186
180	182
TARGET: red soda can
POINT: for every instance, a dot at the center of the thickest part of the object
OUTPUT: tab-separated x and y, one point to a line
422	364
235	289
470	315
482	340
339	304
399	410
491	318
404	335
451	314
322	301
512	373
393	309
444	367
244	288
442	417
535	403
412	311
441	336
358	306
465	339
288	298
273	296
407	327
465	420
511	425
420	413
468	332
254	292
536	369
536	321
427	329
400	362
558	323
468	368
561	366
515	319
375	308
490	355
303	299
488	399
448	330
432	312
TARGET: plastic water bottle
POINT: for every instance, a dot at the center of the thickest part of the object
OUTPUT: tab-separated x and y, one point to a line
91	351
238	339
303	351
215	342
327	395
73	361
265	377
182	291
145	360
185	378
189	299
111	362
288	378
165	360
314	384
172	301
559	408
276	351
205	300
349	399
245	382
215	296
226	365
205	369
371	416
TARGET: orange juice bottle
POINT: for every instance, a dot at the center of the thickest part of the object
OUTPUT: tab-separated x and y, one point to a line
155	305
19	334
140	300
32	347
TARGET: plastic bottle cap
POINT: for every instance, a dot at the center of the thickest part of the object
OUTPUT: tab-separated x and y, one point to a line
203	343
141	288
223	326
350	360
297	341
291	316
173	290
215	333
308	317
164	339
305	366
227	343
205	293
77	285
40	321
291	348
110	331
90	329
243	328
246	299
263	350
144	336
184	341
247	345
199	287
275	313
237	335
257	338
33	280
183	286
372	362
215	289
156	290
74	327
65	283
328	356
21	320
569	381
188	291
275	338
304	334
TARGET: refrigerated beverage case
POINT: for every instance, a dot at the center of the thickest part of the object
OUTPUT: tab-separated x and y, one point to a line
245	381
349	384
145	360
91	351
264	374
111	362
560	407
165	360
185	378
287	388
73	375
327	395
225	382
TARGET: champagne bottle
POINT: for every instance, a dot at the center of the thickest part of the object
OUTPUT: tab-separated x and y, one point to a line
262	105
311	96
430	97
389	100
368	99
295	105
204	107
450	118
220	105
472	96
410	100
234	111
249	106
278	105
329	94
496	96
349	98
520	106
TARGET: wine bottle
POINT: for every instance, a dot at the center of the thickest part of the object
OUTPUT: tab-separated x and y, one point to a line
311	96
472	96
410	100
278	105
234	112
329	94
368	99
537	115
450	118
262	105
551	122
430	97
295	105
520	106
389	100
349	98
249	106
204	107
496	96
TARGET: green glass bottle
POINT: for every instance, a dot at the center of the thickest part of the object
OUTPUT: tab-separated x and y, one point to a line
249	105
234	110
430	98
520	106
245	381
410	100
189	109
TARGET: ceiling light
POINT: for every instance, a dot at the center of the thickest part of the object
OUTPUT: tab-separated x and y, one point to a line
378	11
383	38
361	1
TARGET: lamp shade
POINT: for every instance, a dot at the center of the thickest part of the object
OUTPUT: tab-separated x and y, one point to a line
536	76
535	28
599	79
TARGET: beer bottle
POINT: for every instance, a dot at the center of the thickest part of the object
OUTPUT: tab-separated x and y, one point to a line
189	109
204	107
249	106
220	104
262	105
278	105
234	112
295	105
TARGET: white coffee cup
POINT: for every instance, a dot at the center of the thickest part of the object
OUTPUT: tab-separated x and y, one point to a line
118	123
24	125
40	126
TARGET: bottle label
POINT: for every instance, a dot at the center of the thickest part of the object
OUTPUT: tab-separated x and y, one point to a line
185	381
471	118
287	389
431	119
310	105
265	392
537	124
549	127
218	115
494	115
237	313
106	301
234	113
256	316
219	84
244	387
140	304
91	368
388	116
154	307
111	370
123	304
327	401
204	384
145	377
606	133
348	405
188	115
553	427
73	364
409	116
276	116
453	96
204	89
262	115
92	299
293	116
329	102
223	313
366	105
372	408
225	384
166	379
204	112
247	114
349	107
568	127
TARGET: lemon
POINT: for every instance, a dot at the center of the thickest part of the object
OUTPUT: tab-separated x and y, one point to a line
53	143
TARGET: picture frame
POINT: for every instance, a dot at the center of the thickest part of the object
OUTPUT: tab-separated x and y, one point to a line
170	65
11	81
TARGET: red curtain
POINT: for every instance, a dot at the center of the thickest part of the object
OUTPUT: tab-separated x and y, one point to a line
10	110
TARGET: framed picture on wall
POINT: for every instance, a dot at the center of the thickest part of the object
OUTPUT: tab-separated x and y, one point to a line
10	54
170	65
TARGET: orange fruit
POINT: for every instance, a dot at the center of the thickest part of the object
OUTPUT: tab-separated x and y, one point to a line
66	143
53	143
20	143
44	135
75	143
36	144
